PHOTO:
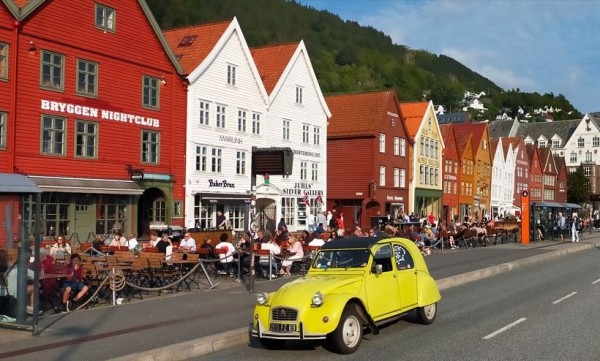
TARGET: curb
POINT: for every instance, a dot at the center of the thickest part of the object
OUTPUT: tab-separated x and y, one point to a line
221	341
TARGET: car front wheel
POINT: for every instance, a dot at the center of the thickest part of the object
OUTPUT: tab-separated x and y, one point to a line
347	336
426	314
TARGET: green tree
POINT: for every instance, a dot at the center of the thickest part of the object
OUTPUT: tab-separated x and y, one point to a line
578	184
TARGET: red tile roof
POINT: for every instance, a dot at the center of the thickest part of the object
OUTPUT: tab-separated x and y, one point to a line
413	114
358	113
462	142
206	37
476	129
271	62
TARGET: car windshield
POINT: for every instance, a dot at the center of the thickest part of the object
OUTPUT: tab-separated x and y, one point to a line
353	258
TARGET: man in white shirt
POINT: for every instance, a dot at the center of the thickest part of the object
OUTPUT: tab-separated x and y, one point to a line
264	260
187	244
226	256
316	242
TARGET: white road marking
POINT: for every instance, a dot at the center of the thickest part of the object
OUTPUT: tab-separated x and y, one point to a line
564	298
504	328
596	281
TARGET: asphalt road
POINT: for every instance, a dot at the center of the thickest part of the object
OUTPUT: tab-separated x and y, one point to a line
548	311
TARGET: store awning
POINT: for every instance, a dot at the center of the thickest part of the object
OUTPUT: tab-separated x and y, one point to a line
17	183
83	185
571	205
555	205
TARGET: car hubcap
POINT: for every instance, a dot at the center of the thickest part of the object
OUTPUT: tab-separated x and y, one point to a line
351	331
429	311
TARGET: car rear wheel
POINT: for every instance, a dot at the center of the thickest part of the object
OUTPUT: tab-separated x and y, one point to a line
426	314
347	336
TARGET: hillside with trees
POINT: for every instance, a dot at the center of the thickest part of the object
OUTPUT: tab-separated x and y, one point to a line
348	57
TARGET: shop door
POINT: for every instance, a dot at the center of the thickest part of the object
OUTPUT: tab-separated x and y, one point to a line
85	219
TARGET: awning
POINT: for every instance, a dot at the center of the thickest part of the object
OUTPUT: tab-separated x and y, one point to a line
555	205
83	185
571	205
16	183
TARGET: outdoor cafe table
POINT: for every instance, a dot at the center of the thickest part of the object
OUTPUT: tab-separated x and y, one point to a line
179	265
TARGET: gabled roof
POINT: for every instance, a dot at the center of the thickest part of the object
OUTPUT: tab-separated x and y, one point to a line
413	114
545	157
357	114
192	44
460	117
447	133
503	128
271	61
563	128
476	129
494	147
463	141
22	8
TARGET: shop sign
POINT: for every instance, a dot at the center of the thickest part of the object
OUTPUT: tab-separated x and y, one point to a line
300	188
214	183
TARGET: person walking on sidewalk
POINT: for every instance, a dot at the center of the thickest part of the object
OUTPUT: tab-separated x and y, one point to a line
561	226
575	226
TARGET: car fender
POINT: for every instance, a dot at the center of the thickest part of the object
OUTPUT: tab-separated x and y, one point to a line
332	308
428	290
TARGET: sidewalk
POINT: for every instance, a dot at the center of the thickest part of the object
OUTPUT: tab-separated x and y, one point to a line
190	324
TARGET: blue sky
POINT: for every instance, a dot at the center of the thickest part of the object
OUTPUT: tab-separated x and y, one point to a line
537	46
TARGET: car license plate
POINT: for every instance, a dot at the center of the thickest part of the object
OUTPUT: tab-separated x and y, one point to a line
283	327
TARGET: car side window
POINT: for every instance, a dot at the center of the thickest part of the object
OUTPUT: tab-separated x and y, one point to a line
383	256
403	258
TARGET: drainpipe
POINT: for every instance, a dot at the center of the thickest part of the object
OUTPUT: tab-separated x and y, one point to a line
12	114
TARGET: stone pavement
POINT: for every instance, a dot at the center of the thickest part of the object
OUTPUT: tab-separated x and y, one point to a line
189	324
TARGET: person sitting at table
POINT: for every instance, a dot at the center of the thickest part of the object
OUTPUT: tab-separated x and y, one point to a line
118	240
73	282
11	277
164	242
60	248
226	258
132	242
274	250
187	244
296	253
96	248
154	238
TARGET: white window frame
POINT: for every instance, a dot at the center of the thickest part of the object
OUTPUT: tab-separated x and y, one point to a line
396	146
87	78
402	147
201	158
150	149
231	74
49	77
150	92
305	133
315	172
240	162
381	142
382	176
317	136
580	142
299	95
204	112
106	18
396	177
221	116
3	130
216	160
286	129
54	135
303	170
242	117
255	123
402	178
86	139
3	60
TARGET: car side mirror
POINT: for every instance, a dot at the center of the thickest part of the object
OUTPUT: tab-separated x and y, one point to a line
378	269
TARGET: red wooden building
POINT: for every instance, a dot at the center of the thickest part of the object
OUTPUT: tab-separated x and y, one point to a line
450	175
535	174
94	107
367	157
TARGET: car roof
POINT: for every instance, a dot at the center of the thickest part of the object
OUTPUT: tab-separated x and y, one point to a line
352	242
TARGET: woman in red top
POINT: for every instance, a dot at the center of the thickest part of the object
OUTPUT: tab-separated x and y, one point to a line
73	282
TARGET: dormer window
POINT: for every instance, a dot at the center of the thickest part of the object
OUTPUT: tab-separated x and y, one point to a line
555	143
542	144
187	40
105	18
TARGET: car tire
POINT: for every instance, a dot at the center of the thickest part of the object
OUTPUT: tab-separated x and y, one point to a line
426	314
272	344
347	336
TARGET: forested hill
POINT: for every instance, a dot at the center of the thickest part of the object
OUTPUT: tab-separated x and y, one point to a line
348	57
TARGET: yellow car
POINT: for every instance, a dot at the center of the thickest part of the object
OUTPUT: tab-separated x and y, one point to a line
353	283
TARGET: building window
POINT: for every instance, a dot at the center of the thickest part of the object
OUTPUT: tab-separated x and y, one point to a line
588	156
305	133
422	174
402	178
204	112
240	162
178	209
542	144
221	113
86	139
596	141
382	176
396	146
396	177
288	210
3	61
303	171
87	78
216	160
150	146
255	123
426	148
286	129
315	172
587	171
573	157
580	142
436	171
402	147
231	70
241	120
2	130
237	215
105	18
381	143
201	158
316	136
53	135
150	92
111	215
53	70
158	211
555	143
298	95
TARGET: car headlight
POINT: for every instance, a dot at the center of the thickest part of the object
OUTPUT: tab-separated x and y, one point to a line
262	298
318	298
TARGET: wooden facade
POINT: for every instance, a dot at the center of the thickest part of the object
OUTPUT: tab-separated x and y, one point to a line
96	116
450	175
